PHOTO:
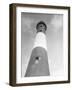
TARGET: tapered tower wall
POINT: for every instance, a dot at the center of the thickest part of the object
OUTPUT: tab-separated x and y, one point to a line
38	64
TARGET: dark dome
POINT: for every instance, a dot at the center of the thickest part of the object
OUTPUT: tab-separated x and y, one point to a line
41	27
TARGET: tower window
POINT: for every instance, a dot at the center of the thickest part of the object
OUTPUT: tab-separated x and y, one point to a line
38	58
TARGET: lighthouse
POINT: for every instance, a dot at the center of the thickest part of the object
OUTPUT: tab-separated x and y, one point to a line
38	64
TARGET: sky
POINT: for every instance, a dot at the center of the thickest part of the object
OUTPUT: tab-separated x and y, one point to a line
54	37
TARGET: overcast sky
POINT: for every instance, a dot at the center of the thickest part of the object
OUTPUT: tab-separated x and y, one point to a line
54	35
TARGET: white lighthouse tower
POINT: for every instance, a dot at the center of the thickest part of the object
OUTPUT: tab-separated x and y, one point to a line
38	63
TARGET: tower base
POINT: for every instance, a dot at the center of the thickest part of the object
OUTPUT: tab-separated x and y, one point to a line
38	64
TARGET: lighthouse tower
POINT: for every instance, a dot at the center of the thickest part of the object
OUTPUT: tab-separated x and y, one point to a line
38	63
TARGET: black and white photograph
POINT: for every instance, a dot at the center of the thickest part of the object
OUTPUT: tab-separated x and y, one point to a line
42	44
